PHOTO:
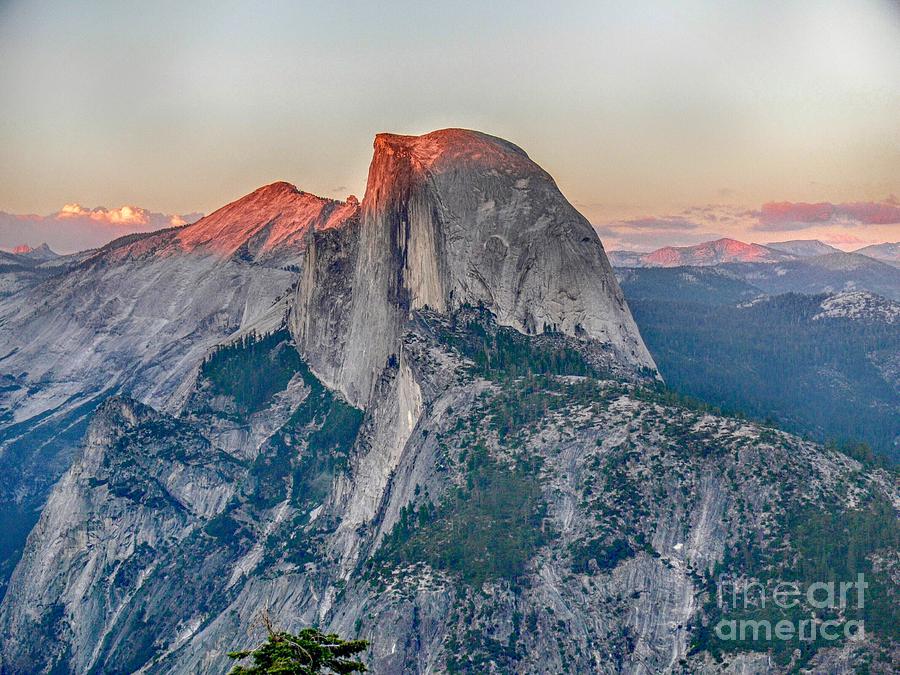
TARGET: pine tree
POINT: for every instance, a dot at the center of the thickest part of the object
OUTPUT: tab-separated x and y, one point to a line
309	652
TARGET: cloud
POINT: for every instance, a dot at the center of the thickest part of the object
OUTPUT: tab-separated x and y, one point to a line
790	216
840	238
666	223
125	215
651	232
75	227
872	213
844	224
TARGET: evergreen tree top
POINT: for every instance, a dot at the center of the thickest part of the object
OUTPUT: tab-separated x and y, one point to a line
309	652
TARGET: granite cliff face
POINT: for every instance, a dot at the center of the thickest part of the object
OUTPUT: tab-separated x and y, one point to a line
449	219
92	531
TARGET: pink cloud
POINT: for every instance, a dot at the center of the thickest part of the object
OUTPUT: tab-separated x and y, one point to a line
784	216
842	239
800	212
664	223
75	227
842	224
125	215
870	213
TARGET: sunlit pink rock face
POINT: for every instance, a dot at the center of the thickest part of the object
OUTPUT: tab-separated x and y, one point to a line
269	226
712	253
453	218
271	221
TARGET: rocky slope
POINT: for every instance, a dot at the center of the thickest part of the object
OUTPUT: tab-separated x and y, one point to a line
888	252
456	218
860	306
528	520
803	248
137	317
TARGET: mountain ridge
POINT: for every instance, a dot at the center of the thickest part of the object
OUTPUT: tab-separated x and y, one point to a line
887	252
270	222
727	250
712	253
803	247
41	253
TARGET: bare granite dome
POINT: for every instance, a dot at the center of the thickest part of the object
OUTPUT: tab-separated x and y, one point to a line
453	218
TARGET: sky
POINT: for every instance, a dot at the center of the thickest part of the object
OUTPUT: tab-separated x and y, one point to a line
663	122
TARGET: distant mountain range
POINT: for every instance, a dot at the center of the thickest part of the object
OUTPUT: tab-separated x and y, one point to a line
731	251
803	248
24	266
41	253
808	332
889	251
771	271
707	253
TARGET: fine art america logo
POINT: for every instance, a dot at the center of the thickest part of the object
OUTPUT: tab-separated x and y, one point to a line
814	612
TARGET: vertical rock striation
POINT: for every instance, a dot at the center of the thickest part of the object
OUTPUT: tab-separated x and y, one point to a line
451	218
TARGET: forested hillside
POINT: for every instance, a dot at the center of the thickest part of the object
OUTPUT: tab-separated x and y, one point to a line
828	372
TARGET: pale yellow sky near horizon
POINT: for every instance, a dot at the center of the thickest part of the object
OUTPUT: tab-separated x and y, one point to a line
640	111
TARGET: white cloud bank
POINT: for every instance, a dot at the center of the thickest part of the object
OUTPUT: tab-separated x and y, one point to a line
75	227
